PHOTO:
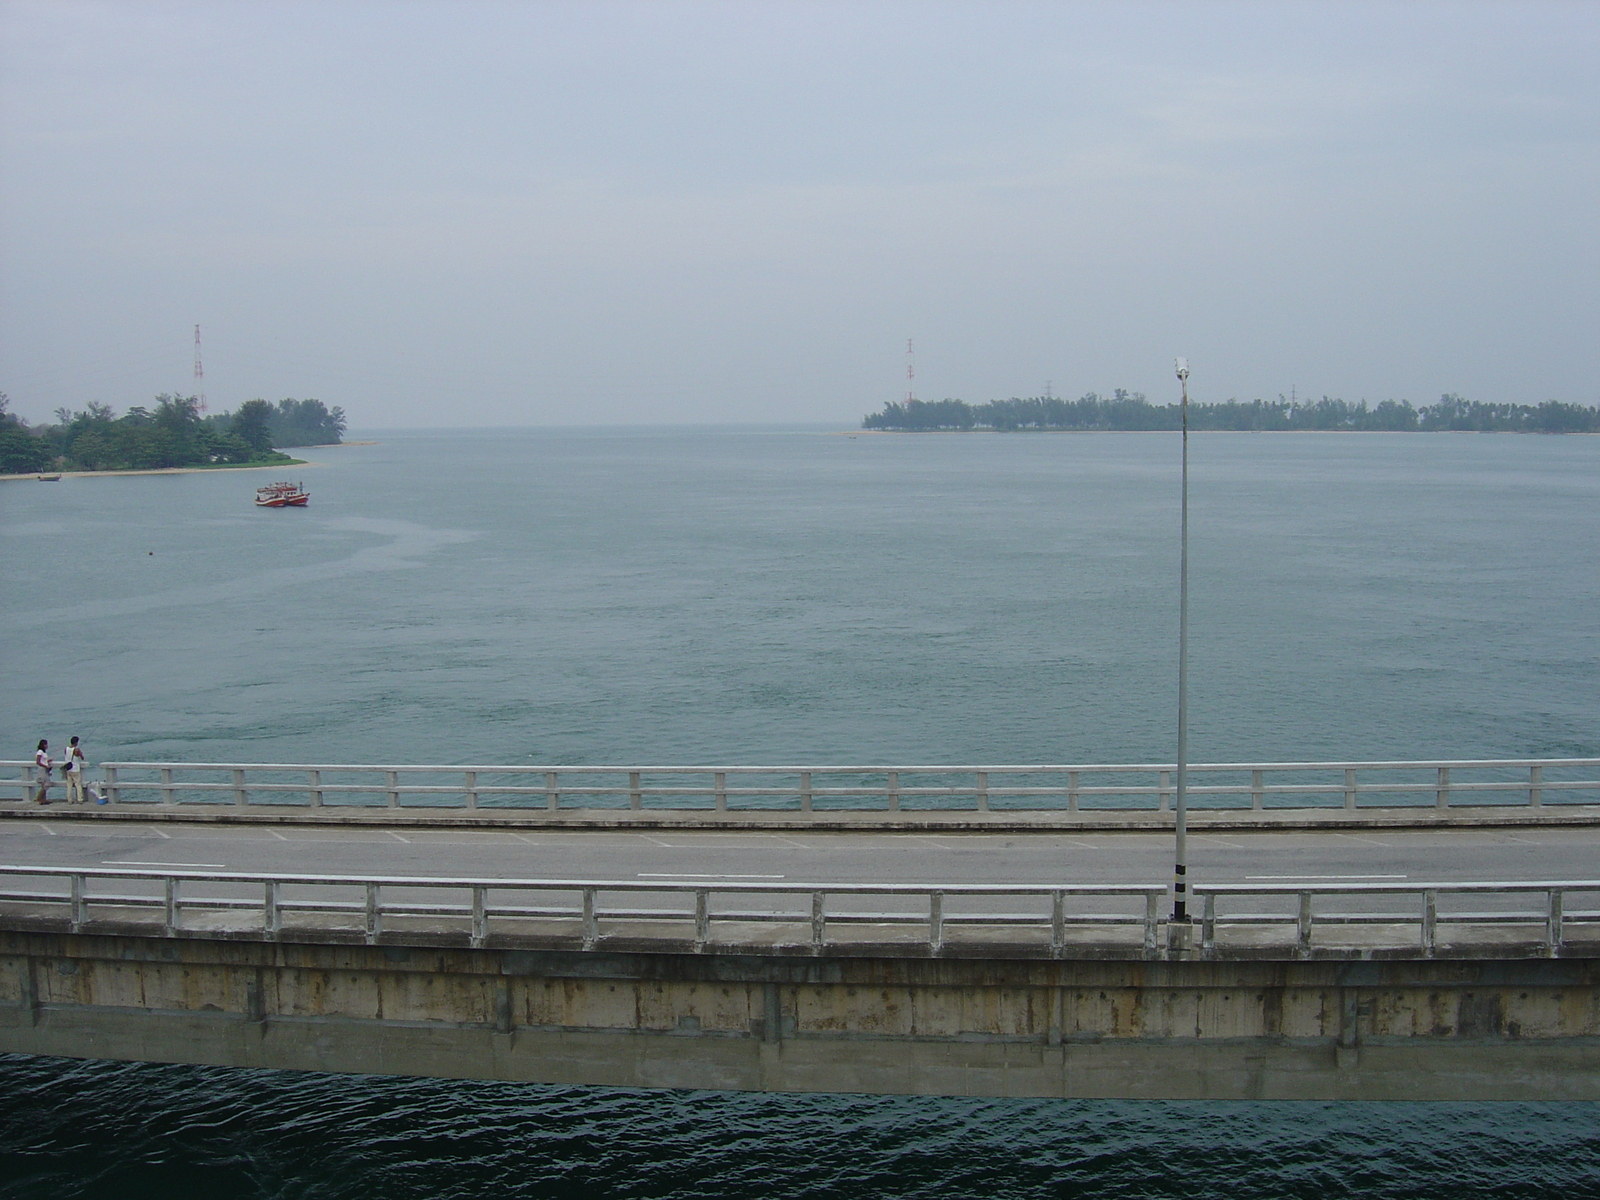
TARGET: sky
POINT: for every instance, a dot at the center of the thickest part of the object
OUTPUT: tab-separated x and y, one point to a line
492	214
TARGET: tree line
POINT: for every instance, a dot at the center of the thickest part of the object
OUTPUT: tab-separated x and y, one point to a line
175	433
1130	410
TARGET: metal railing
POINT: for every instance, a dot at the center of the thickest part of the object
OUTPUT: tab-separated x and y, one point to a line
476	909
826	789
1552	914
472	906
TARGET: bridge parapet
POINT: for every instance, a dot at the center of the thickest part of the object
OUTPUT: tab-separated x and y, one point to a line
856	796
1243	920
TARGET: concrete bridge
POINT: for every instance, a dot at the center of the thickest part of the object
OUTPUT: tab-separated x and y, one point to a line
1388	959
854	797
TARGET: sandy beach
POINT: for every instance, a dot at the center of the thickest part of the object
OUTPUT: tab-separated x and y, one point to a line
34	475
299	462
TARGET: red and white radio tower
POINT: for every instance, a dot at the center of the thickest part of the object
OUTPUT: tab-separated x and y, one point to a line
911	374
199	371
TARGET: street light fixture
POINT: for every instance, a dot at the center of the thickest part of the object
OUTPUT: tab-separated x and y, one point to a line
1180	936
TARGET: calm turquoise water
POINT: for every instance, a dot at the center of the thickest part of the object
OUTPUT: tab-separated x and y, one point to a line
742	596
770	596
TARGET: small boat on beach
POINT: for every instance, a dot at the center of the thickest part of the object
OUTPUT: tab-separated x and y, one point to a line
50	478
282	495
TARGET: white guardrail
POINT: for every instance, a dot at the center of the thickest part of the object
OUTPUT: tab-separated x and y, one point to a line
369	905
1490	908
1065	789
475	903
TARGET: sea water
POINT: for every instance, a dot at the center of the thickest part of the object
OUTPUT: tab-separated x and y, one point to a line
134	1131
712	595
790	596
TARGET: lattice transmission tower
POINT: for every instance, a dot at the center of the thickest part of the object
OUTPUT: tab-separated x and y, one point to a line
199	371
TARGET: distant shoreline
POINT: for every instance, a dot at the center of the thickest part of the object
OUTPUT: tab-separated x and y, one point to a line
1125	411
293	462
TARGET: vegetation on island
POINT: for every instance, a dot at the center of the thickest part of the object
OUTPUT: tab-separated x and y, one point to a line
175	433
302	422
1130	410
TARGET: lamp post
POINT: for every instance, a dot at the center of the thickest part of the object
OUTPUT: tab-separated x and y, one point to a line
1180	927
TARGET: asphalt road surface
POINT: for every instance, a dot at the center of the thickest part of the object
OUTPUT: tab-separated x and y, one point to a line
1381	856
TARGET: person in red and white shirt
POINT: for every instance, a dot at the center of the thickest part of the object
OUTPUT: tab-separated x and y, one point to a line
42	765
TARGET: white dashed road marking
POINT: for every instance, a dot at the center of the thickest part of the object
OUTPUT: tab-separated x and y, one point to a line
680	875
790	842
1368	841
139	862
1312	877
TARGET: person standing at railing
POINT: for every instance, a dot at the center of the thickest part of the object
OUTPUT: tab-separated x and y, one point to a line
72	772
41	771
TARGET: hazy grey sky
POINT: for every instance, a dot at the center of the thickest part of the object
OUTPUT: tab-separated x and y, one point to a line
528	213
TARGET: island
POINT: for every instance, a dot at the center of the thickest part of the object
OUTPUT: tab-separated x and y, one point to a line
1124	410
174	434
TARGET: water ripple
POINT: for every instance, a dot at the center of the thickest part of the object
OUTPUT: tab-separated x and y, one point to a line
90	1129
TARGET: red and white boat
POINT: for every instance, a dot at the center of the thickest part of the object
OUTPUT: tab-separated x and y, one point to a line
282	495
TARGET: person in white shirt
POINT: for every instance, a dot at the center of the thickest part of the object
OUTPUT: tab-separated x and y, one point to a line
72	772
42	765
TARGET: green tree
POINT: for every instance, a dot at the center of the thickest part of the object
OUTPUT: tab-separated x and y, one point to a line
20	450
92	450
306	423
251	424
230	448
181	439
85	439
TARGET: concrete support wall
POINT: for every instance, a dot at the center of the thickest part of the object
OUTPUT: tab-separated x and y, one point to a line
1390	1029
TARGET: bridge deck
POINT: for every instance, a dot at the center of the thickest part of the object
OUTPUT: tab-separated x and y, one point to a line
1327	856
